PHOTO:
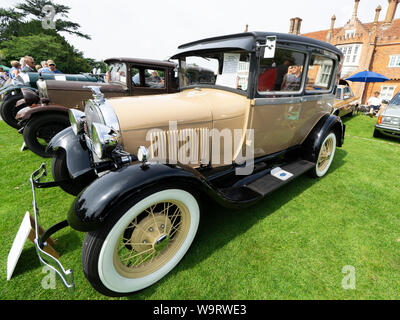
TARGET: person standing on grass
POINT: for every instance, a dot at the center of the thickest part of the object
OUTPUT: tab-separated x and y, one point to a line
15	69
51	67
29	65
3	77
374	103
44	65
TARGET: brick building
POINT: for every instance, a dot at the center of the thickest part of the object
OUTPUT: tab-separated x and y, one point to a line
373	46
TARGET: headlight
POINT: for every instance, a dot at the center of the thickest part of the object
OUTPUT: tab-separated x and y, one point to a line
104	139
391	120
77	119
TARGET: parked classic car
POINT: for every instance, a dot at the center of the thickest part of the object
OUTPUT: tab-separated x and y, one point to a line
47	112
12	93
156	156
346	102
389	120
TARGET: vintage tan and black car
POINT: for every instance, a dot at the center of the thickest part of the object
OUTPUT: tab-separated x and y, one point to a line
46	113
261	120
346	102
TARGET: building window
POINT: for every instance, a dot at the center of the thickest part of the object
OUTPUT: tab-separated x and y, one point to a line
394	61
351	53
350	33
320	73
387	92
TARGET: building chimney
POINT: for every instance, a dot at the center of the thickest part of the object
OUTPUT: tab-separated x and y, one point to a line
391	11
297	26
330	33
356	3
291	28
378	12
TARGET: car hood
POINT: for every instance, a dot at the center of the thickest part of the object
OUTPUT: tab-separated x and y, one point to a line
393	111
194	107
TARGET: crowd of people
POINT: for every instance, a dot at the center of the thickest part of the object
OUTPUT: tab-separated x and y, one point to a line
27	64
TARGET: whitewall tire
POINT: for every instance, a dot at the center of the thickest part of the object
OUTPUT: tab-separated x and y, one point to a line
326	155
143	242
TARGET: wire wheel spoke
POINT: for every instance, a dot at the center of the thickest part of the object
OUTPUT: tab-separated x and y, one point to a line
151	237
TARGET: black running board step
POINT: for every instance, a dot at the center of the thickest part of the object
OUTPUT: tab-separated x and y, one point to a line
269	183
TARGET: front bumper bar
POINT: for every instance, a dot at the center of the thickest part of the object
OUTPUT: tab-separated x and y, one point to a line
46	259
389	131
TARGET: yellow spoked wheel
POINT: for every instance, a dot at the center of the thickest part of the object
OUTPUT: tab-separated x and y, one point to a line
326	155
152	239
142	242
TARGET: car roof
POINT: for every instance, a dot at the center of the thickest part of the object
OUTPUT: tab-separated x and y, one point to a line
247	41
147	62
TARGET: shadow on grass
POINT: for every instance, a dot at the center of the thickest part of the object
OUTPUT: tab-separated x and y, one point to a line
219	225
29	260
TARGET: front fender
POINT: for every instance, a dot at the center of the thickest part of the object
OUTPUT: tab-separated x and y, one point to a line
92	207
78	160
16	89
26	113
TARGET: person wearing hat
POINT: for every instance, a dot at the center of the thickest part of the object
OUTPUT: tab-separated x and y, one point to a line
51	67
374	103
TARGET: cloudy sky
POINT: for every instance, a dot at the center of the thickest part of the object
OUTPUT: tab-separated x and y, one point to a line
154	28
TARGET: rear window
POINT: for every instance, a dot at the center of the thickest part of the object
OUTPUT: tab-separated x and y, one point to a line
320	73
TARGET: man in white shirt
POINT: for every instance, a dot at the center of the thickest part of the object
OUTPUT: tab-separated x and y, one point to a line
374	103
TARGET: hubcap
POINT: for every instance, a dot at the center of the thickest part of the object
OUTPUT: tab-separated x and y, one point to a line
151	239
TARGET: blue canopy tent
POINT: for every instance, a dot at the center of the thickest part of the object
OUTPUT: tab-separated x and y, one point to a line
367	77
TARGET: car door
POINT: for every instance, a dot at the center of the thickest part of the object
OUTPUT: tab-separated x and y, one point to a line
277	108
148	80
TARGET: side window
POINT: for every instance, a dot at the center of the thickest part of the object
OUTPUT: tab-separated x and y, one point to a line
339	94
154	78
283	73
320	73
347	93
135	73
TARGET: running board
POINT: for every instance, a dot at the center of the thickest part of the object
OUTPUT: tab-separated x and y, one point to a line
289	172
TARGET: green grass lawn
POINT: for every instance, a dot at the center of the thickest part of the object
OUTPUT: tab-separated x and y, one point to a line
291	245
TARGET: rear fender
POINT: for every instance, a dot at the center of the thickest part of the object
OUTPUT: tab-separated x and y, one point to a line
314	139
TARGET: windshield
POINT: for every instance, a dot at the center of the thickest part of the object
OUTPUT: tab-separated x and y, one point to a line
395	101
116	73
228	69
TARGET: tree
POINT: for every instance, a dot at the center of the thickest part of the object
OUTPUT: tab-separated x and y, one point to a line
22	33
34	8
45	47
